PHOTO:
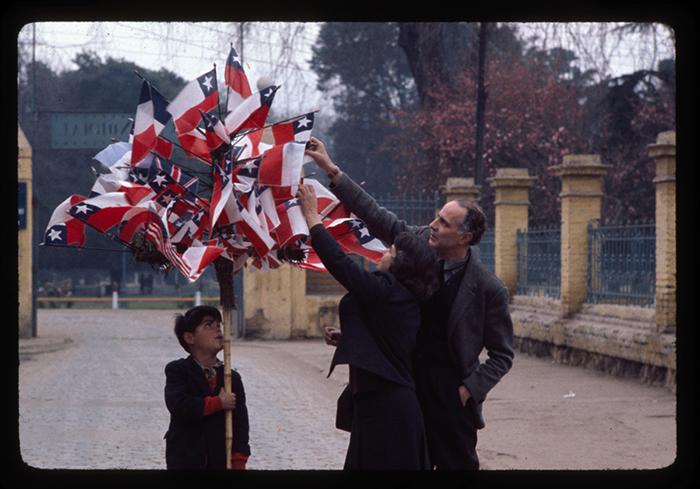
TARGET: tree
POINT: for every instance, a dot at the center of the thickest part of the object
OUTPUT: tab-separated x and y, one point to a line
529	124
362	68
635	108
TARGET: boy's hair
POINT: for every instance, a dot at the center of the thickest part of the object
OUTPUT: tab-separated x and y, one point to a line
190	320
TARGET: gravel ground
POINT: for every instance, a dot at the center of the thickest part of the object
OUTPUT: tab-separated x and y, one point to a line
91	397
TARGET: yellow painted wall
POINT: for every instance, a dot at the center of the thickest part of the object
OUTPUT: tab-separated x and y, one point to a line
277	306
24	241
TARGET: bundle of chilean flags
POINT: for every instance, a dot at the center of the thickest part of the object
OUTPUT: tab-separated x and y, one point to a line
256	168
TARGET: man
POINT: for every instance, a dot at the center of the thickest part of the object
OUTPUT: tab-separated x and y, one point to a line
468	314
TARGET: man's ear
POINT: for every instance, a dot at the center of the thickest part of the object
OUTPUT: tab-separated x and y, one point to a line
465	239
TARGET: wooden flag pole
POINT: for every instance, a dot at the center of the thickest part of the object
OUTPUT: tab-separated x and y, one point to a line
224	275
227	382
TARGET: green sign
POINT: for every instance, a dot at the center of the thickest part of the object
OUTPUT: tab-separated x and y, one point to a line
73	130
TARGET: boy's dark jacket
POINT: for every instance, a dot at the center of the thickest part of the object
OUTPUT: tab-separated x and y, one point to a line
195	441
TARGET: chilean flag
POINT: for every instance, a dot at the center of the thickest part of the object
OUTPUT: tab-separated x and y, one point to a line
136	219
267	262
192	262
244	175
63	229
281	165
338	212
236	80
151	118
164	148
102	212
215	132
326	200
266	199
200	94
197	258
174	171
185	220
353	237
312	262
250	227
234	242
252	112
221	193
191	228
292	223
111	182
298	130
195	145
250	144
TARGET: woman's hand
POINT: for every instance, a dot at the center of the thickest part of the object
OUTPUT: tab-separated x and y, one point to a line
331	336
309	205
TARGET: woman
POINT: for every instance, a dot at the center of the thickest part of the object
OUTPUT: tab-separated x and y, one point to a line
379	319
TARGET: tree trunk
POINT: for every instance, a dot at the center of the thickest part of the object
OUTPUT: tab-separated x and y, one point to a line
224	275
422	43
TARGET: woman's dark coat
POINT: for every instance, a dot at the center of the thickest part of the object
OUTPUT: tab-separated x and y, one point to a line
379	319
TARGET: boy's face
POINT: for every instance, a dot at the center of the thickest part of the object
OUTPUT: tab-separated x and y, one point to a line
206	337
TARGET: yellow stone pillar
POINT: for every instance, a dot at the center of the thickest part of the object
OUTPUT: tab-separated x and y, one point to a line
581	198
664	153
275	305
24	240
511	204
460	188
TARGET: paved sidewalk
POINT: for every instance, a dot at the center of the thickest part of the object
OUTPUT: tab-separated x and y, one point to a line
91	396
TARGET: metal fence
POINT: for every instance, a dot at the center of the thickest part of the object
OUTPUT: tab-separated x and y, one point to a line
539	262
418	209
486	250
622	263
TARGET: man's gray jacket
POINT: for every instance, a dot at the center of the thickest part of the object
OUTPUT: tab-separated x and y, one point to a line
479	317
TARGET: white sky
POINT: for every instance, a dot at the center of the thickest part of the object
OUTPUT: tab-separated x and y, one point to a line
189	49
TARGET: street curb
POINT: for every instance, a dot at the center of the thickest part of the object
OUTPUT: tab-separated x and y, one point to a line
35	346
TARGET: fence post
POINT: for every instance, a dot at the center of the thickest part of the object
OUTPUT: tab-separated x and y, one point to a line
460	188
664	154
115	299
197	298
511	206
581	199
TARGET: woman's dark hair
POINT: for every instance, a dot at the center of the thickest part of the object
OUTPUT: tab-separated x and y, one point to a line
415	265
191	319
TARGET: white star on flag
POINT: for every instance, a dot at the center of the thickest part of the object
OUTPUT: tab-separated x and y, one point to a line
167	198
207	82
304	122
55	234
82	209
159	180
364	232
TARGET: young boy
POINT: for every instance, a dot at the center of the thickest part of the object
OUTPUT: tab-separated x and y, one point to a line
194	395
